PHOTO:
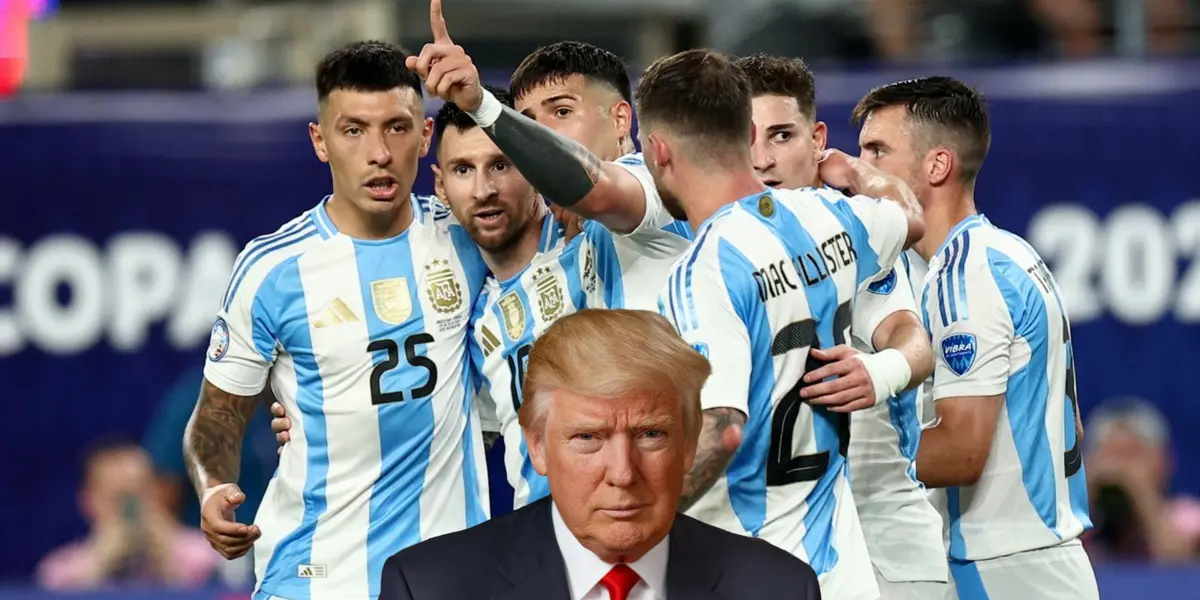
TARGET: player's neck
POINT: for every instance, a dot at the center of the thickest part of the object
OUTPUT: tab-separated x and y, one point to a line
362	225
505	264
942	213
708	190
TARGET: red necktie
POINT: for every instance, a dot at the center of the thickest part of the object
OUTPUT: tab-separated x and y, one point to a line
619	581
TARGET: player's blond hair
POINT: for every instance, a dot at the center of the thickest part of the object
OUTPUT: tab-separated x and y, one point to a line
612	354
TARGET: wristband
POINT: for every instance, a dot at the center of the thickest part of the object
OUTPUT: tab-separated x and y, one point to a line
889	372
210	492
489	110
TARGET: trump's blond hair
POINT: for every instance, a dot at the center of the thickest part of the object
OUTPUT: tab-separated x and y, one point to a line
612	354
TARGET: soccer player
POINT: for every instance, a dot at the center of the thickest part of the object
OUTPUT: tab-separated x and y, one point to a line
902	529
537	276
559	85
771	276
356	313
1005	445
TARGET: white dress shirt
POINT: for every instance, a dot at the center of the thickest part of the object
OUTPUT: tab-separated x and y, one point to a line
585	569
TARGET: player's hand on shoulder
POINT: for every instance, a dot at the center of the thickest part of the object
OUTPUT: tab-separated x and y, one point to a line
850	390
571	223
448	71
228	537
280	424
837	169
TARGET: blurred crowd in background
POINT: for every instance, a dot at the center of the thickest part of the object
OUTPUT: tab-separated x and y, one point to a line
153	138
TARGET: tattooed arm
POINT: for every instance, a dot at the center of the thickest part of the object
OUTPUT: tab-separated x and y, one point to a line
569	174
719	441
212	443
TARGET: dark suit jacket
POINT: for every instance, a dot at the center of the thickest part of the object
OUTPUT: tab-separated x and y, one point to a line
516	557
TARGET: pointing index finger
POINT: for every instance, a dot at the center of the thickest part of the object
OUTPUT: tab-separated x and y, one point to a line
437	23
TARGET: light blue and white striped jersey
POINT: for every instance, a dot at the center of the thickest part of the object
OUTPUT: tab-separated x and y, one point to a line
365	345
998	326
596	269
768	278
902	528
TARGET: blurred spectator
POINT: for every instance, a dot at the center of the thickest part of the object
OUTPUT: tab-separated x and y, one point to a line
934	29
133	539
1129	472
164	441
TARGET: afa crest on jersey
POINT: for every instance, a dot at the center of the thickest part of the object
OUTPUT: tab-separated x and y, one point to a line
958	351
442	288
884	286
550	294
218	340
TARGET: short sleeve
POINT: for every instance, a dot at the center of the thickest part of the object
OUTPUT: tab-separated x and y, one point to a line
656	218
885	225
242	344
879	300
704	302
971	330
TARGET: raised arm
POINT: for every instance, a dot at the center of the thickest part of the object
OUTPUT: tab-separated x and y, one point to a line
562	170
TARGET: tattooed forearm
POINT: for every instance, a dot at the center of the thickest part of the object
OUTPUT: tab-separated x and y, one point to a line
212	443
713	454
563	170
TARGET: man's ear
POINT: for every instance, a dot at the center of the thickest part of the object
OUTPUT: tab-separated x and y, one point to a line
439	187
820	138
536	446
939	166
318	142
621	114
661	150
426	137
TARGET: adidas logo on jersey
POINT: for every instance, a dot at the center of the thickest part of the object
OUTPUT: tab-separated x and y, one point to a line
310	571
335	313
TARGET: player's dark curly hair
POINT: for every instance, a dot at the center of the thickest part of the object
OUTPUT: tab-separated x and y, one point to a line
701	95
781	76
450	115
370	66
561	60
949	111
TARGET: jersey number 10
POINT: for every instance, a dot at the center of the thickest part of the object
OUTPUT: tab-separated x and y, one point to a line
378	396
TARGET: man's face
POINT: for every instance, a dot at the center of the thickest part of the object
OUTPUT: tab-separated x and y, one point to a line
577	110
615	468
887	141
372	142
485	192
787	144
118	482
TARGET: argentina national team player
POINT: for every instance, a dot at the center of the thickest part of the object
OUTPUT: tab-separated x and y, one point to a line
356	315
771	276
536	276
1006	446
902	529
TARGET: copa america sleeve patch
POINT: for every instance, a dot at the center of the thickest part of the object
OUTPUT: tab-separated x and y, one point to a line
218	341
958	351
884	286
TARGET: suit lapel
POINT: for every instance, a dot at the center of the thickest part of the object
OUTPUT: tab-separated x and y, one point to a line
533	567
691	573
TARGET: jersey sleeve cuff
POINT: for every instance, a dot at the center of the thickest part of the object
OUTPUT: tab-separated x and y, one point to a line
226	384
648	216
969	388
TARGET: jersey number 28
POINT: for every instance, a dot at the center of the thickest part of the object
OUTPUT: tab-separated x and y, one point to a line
782	467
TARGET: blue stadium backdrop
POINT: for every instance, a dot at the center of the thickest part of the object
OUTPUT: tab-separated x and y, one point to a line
124	215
